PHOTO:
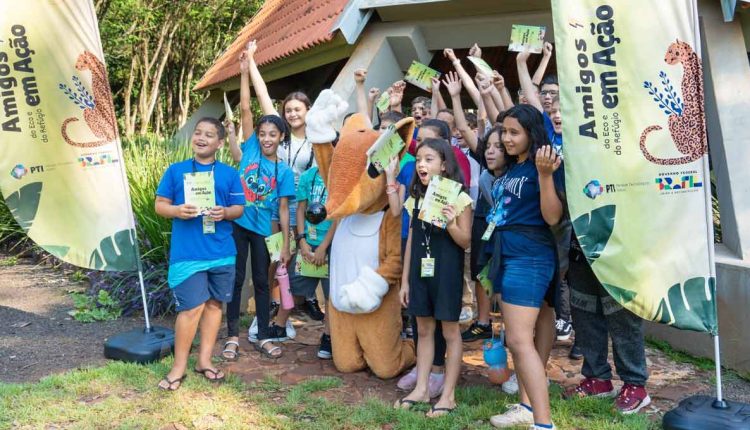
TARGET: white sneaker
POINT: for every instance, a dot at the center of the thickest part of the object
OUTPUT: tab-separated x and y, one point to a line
516	415
252	332
535	427
467	314
511	385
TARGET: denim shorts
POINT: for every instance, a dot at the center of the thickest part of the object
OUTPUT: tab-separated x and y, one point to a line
525	280
215	283
292	211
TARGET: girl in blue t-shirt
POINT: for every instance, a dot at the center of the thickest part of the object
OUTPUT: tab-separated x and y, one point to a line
267	182
525	204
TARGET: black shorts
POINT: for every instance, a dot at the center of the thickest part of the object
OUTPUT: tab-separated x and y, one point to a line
477	246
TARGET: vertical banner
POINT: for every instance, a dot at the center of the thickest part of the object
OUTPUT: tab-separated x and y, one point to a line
637	177
61	167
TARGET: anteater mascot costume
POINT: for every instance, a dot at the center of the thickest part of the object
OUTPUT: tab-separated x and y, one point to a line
365	261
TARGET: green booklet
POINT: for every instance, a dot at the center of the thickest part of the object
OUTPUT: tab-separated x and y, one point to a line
388	145
440	193
305	268
384	102
199	190
421	76
531	35
484	280
481	65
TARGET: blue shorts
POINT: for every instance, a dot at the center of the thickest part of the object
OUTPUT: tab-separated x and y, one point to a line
292	211
525	280
216	283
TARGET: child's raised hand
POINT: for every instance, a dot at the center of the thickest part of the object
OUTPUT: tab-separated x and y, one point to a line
547	160
484	83
229	125
475	51
373	94
497	80
448	52
217	213
187	211
435	84
397	93
360	75
523	55
391	170
547	49
449	212
250	49
452	83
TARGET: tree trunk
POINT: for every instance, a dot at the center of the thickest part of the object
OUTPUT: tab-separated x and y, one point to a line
129	125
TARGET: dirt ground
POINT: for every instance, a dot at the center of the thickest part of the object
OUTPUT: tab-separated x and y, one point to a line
39	338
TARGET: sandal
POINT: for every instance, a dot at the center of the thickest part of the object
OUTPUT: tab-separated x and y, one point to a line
436	412
270	353
213	372
404	401
170	383
230	354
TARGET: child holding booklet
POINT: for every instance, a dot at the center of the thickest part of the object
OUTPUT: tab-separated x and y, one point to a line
313	245
202	252
433	268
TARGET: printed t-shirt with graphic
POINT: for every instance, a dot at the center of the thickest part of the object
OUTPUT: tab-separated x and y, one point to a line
190	249
298	156
263	182
404	178
463	201
312	189
516	201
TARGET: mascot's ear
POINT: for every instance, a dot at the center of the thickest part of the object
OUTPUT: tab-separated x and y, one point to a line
405	128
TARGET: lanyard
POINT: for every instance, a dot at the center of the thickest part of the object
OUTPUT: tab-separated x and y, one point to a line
312	188
427	230
292	161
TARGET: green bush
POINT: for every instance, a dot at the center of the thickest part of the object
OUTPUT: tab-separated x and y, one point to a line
100	308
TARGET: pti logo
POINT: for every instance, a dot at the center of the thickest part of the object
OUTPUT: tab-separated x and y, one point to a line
593	189
19	171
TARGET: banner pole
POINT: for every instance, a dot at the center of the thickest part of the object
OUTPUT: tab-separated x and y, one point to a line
143	292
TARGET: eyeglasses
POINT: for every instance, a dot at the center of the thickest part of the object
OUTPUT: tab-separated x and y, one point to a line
551	93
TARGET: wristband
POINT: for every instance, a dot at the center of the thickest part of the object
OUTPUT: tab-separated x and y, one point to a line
391	188
299	236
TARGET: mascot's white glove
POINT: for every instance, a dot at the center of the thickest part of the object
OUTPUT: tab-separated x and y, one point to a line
365	294
324	113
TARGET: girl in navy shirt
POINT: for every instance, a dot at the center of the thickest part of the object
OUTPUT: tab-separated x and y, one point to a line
525	204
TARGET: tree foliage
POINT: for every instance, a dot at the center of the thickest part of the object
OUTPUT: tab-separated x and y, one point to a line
156	50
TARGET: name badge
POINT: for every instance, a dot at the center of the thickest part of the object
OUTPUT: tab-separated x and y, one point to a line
209	225
488	233
428	267
312	232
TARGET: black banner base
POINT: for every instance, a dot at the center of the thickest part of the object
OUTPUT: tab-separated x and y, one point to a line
140	346
706	413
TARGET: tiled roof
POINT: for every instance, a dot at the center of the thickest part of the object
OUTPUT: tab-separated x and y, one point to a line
282	28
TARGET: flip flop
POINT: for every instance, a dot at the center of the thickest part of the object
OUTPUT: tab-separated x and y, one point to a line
268	352
433	410
404	401
213	372
231	354
170	383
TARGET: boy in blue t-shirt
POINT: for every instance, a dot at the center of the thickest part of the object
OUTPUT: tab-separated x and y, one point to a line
202	251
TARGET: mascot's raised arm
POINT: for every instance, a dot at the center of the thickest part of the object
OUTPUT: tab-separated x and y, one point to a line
365	261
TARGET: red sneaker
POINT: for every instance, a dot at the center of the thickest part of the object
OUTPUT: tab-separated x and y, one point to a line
592	387
632	398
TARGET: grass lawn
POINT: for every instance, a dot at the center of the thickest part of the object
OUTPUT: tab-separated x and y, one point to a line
124	396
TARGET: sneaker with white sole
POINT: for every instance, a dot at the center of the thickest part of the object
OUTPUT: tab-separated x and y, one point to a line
252	332
511	385
325	352
516	415
536	427
631	399
564	329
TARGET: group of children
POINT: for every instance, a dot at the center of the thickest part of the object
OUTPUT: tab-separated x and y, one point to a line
510	218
